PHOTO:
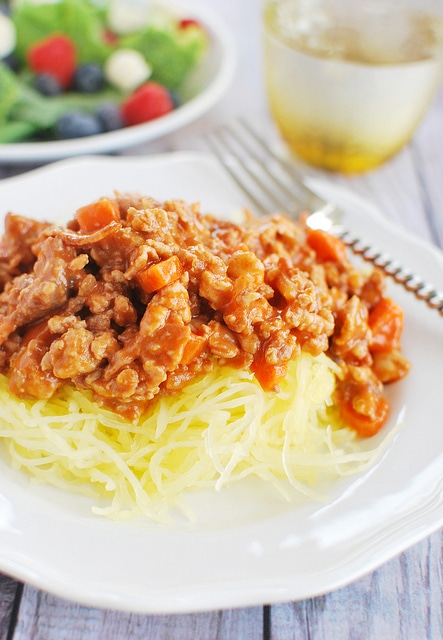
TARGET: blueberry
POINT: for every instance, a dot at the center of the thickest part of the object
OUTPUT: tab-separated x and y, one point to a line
176	102
109	114
88	78
12	62
77	124
47	84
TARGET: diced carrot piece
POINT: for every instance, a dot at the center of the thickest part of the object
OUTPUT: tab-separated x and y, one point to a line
268	375
193	348
97	215
386	324
326	246
160	274
364	425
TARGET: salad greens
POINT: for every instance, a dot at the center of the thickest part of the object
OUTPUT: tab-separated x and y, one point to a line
25	112
171	53
169	50
82	21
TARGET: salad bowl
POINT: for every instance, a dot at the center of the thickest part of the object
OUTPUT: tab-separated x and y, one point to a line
201	90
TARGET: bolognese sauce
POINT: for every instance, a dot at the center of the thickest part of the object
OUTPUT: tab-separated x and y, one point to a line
134	298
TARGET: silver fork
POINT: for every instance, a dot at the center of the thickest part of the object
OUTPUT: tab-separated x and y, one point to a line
272	184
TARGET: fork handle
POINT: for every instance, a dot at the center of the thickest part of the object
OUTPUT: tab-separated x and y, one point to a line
401	275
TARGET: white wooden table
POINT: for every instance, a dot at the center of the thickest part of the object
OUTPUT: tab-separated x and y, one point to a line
403	598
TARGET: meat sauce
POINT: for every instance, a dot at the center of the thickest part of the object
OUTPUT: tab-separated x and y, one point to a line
135	298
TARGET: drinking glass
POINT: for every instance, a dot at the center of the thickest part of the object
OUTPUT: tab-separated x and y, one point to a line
348	81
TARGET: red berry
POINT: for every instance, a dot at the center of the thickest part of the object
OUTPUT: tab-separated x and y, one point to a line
188	22
149	101
56	56
110	37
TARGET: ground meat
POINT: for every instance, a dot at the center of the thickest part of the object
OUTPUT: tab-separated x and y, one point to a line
16	253
158	293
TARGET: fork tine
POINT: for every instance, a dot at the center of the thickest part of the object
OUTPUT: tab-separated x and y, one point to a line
220	141
288	178
269	181
263	181
245	168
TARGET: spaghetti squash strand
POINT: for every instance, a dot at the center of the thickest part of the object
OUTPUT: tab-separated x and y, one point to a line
218	430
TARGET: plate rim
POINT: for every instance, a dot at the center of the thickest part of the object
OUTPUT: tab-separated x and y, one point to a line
239	592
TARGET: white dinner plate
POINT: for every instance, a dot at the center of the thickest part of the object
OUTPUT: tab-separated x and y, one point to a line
246	546
204	87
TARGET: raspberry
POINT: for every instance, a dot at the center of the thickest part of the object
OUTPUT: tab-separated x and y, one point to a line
149	101
188	22
56	56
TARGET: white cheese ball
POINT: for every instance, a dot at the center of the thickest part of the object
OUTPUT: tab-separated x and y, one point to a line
127	16
126	69
7	36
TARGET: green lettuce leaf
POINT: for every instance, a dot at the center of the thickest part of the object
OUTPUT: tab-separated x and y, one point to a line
171	53
9	90
12	132
80	20
43	112
24	111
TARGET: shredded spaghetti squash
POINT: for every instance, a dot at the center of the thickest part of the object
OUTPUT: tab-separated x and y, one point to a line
149	349
220	428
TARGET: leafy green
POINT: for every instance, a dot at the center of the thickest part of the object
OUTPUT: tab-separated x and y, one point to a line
43	111
24	111
9	88
81	20
16	132
171	53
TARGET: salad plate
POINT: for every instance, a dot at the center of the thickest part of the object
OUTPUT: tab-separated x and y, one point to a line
202	89
243	545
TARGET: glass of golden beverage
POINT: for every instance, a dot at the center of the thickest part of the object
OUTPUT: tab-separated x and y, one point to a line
348	81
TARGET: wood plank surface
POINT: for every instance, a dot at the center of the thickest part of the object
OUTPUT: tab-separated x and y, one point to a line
46	617
403	599
9	595
427	151
399	601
